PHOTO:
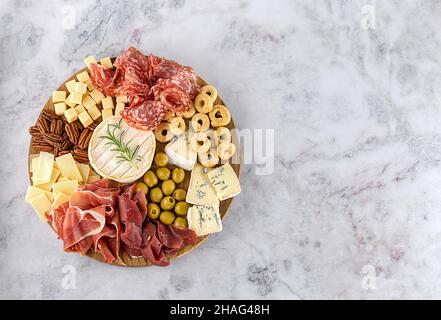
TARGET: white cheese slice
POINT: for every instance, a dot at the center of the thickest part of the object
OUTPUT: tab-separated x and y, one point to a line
180	153
224	181
43	170
204	220
107	161
200	191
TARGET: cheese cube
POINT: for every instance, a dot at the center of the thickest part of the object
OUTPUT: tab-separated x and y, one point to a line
69	101
96	95
60	198
94	113
204	220
34	192
85	119
89	85
224	181
106	113
107	103
43	171
106	62
41	205
60	108
71	115
70	85
93	178
68	167
76	97
84	170
80	87
79	109
88	102
119	107
83	77
122	99
89	60
66	187
200	191
58	96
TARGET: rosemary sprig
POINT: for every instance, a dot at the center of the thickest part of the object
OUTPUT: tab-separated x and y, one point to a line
125	153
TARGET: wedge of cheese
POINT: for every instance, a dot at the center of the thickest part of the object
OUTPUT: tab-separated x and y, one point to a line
66	187
204	220
111	163
224	181
43	169
41	205
200	191
68	167
34	192
180	152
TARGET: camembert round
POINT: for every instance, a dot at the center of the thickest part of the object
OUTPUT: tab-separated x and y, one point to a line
120	152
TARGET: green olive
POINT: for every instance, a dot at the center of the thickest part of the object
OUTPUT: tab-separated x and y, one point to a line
181	208
156	194
178	175
163	173
161	159
179	194
142	187
150	179
168	186
181	222
168	203
153	211
167	217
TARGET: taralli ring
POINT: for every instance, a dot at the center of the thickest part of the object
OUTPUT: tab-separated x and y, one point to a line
209	159
177	126
203	103
163	132
200	122
199	142
169	115
189	113
220	116
222	135
211	91
225	150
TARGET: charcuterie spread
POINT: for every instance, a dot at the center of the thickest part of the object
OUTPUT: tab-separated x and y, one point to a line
131	160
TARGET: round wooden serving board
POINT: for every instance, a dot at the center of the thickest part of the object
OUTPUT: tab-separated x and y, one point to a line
224	205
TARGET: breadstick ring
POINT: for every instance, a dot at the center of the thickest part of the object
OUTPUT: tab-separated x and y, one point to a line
203	103
169	115
190	112
225	150
200	122
208	159
222	135
177	126
220	116
200	143
211	91
163	132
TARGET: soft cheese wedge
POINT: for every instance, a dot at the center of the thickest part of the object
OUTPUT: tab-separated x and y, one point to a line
200	191
204	220
120	152
180	153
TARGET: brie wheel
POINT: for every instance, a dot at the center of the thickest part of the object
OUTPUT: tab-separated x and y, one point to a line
110	163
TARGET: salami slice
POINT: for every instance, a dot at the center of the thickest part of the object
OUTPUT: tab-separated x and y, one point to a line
146	115
175	99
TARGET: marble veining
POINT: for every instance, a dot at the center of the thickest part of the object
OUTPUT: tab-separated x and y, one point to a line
352	209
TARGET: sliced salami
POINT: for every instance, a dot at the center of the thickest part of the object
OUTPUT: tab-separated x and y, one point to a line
146	115
175	99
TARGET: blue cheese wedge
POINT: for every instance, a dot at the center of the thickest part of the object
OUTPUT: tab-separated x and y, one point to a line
224	181
200	191
120	152
180	153
204	220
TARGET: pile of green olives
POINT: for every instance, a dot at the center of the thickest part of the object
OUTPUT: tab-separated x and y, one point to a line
166	201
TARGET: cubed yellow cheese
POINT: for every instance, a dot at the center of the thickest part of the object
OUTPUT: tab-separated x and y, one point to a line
85	119
96	95
68	167
122	99
107	103
84	170
89	85
89	60
80	88
34	192
71	115
94	113
69	101
106	62
60	108
44	168
66	187
48	185
93	178
70	85
106	113
76	97
41	205
88	102
59	199
83	77
119	108
79	109
58	96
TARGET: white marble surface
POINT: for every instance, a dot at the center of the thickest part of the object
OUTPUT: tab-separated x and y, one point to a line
356	114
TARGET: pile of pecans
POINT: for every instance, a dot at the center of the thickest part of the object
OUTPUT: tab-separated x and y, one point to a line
54	134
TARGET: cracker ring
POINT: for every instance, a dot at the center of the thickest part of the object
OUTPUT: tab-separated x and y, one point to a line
203	103
200	122
169	115
222	135
196	145
208	159
225	150
190	112
177	126
220	116
211	91
163	132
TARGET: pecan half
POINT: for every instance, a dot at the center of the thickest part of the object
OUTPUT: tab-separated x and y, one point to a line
63	152
53	126
48	115
84	139
33	131
59	127
72	132
43	125
52	139
42	146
